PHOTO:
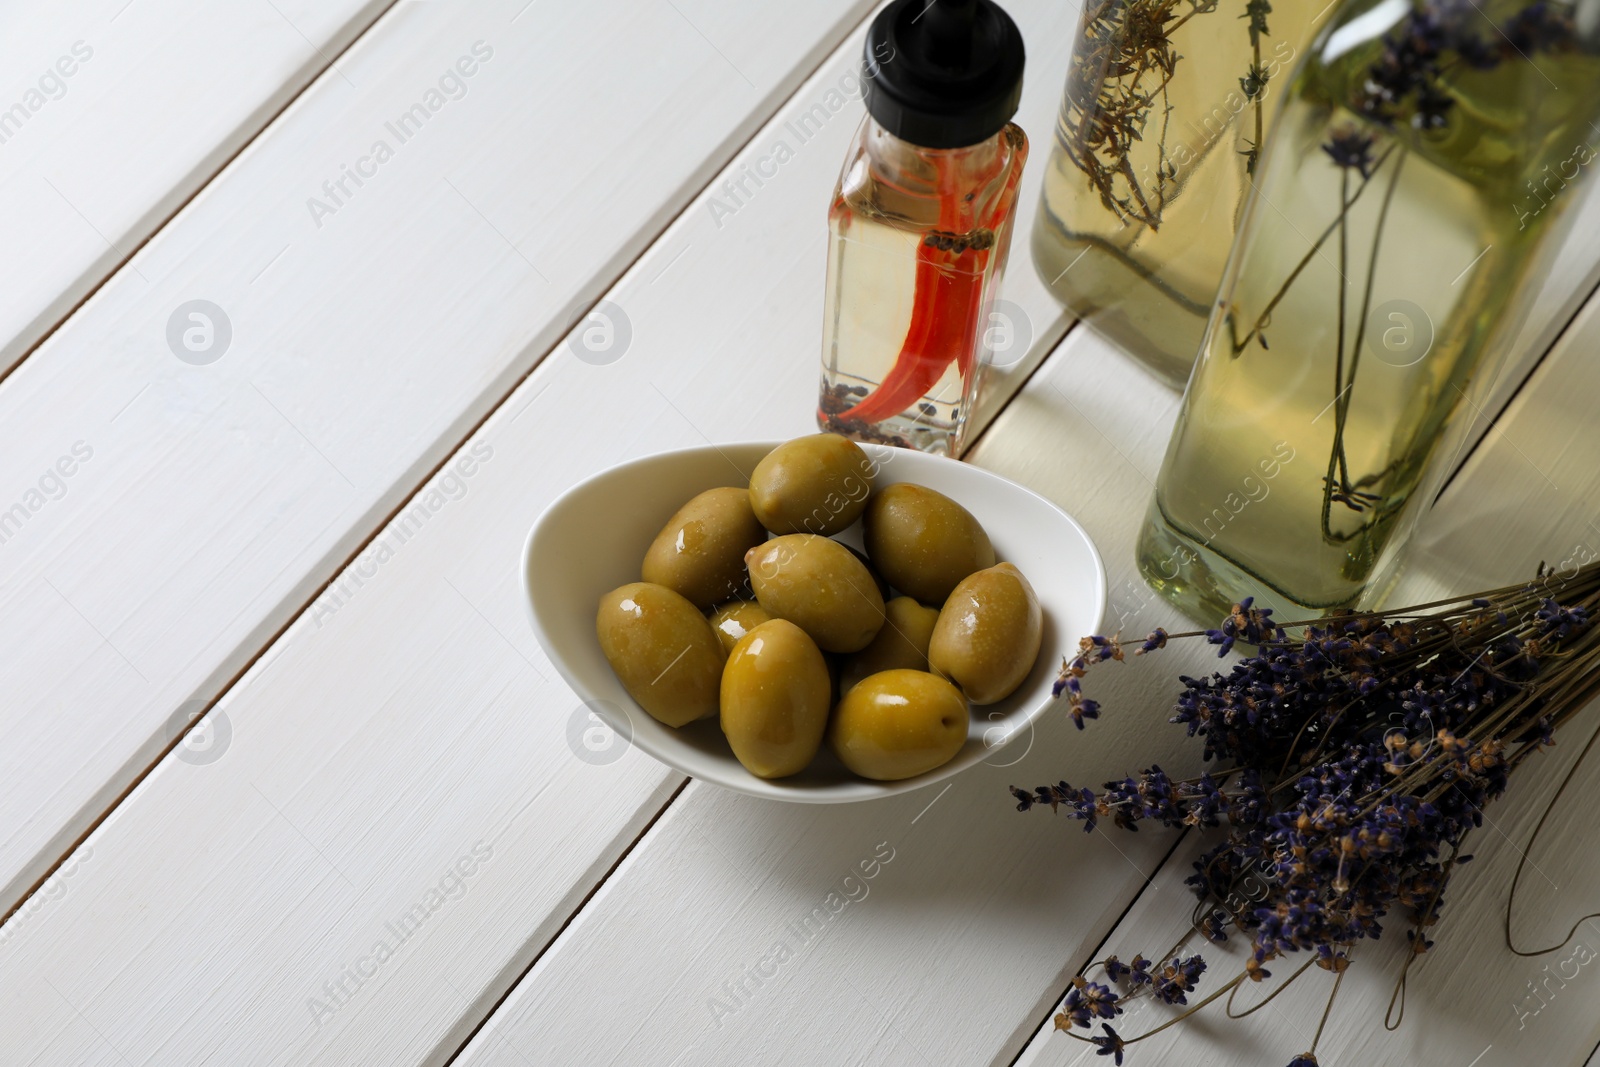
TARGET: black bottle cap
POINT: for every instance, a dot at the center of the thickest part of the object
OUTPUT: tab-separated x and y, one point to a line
943	73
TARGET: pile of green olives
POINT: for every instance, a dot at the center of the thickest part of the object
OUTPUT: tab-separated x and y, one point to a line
750	610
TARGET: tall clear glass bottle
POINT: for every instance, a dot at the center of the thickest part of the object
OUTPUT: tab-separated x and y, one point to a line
1161	126
1425	151
920	224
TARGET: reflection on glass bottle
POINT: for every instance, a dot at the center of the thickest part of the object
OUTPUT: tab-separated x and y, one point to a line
1424	152
1166	107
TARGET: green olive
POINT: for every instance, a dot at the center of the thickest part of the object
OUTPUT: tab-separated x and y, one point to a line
735	619
775	699
901	644
816	484
699	553
988	634
816	583
923	542
663	650
898	724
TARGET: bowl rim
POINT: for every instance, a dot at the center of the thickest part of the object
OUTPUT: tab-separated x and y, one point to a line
775	789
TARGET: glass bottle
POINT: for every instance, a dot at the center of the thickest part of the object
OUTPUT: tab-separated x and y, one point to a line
920	224
1161	125
1425	151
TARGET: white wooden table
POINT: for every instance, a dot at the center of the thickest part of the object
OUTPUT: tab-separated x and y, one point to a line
286	778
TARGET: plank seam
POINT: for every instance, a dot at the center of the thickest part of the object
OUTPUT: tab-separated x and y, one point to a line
318	73
1021	388
1100	945
1533	372
511	987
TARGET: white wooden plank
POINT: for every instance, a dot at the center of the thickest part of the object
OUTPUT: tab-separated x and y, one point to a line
1527	494
406	716
211	502
114	112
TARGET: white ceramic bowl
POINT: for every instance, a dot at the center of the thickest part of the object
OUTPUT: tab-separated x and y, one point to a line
592	539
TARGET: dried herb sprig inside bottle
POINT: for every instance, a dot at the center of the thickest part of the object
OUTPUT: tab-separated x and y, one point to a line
921	224
1166	107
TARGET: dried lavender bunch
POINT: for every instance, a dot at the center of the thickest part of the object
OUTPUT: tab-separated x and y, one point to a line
1354	754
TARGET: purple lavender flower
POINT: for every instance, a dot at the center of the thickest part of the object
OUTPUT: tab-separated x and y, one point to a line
1139	971
1156	640
1351	149
1085	1002
1561	622
1111	1044
1091	650
1539	27
1411	71
1177	979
